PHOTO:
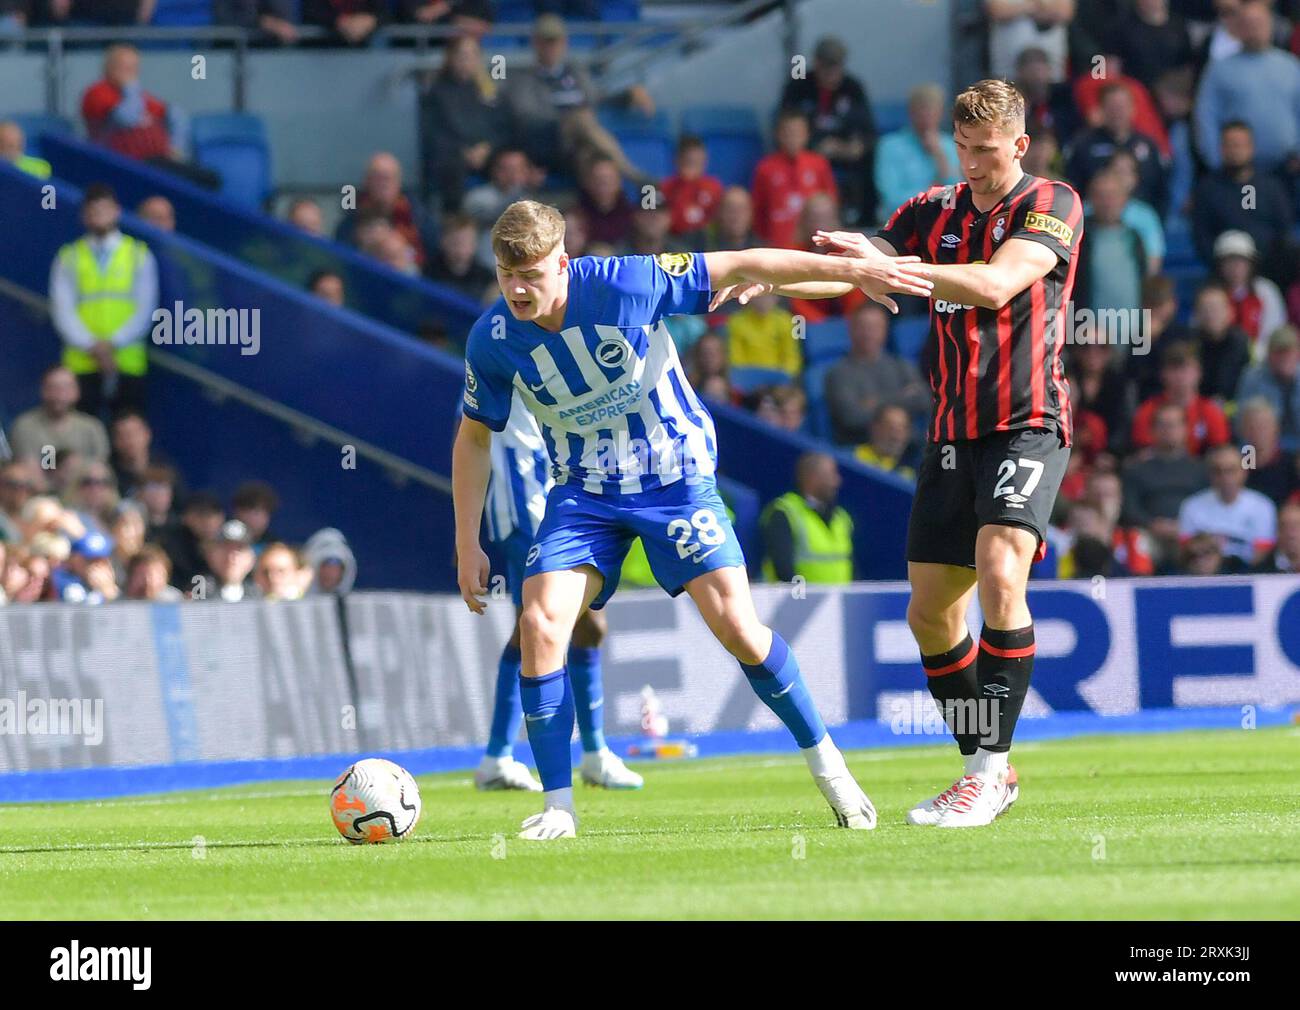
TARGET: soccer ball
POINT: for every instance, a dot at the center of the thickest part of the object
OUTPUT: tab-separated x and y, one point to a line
375	801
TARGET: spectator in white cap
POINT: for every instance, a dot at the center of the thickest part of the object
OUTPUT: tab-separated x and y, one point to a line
1257	305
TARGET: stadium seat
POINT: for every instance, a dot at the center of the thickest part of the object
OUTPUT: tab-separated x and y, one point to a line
515	12
182	13
646	140
907	336
235	145
1180	250
890	116
36	123
733	138
620	10
749	379
814	387
826	341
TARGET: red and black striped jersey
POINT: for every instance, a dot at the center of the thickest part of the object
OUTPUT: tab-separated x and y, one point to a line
995	369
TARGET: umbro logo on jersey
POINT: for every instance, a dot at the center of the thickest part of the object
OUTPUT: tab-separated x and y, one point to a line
950	241
999	690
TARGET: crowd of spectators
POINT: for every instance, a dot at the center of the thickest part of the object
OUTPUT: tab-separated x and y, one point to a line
1179	122
94	515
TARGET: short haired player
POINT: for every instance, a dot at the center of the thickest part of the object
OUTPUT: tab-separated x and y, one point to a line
1002	247
516	501
584	345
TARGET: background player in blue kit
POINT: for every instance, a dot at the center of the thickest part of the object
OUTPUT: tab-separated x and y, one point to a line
516	501
634	452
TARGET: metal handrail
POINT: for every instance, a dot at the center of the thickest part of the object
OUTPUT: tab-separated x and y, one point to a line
57	40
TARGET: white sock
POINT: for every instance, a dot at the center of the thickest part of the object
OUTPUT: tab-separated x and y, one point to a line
988	763
824	758
562	798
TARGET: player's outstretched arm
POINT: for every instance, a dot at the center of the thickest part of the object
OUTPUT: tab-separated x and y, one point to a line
1016	265
875	273
471	466
810	290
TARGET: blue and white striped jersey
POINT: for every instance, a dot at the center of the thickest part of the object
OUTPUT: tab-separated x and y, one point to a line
609	393
521	476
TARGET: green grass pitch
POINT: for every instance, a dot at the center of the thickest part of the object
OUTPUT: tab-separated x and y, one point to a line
1178	825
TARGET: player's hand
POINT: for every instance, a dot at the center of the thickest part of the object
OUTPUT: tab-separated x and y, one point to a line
472	570
741	292
877	274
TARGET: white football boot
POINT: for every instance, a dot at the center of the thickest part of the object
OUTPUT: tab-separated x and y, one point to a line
852	807
606	769
550	824
929	811
504	773
980	800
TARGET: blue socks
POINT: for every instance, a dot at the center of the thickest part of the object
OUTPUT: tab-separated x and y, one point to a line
780	685
507	712
548	714
588	696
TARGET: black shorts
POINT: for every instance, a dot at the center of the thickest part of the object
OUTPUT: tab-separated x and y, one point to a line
1008	478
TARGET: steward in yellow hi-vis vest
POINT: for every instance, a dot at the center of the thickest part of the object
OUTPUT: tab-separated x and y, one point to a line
103	292
823	554
800	539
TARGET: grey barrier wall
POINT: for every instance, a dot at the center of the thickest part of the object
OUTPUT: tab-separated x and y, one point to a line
139	684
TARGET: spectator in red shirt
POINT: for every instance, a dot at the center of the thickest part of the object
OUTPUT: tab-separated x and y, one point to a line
381	198
821	213
1146	114
1180	375
692	195
124	117
785	179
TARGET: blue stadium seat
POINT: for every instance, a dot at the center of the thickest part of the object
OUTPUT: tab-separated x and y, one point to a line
748	379
514	12
234	145
629	121
814	387
646	140
733	137
620	10
182	13
826	341
907	335
890	116
35	123
1180	250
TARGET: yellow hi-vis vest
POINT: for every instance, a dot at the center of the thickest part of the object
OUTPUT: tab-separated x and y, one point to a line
104	302
822	554
38	167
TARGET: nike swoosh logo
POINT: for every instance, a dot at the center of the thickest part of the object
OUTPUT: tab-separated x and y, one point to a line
537	389
697	558
536	718
785	690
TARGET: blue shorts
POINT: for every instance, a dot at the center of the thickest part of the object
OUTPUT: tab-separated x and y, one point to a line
508	556
684	528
